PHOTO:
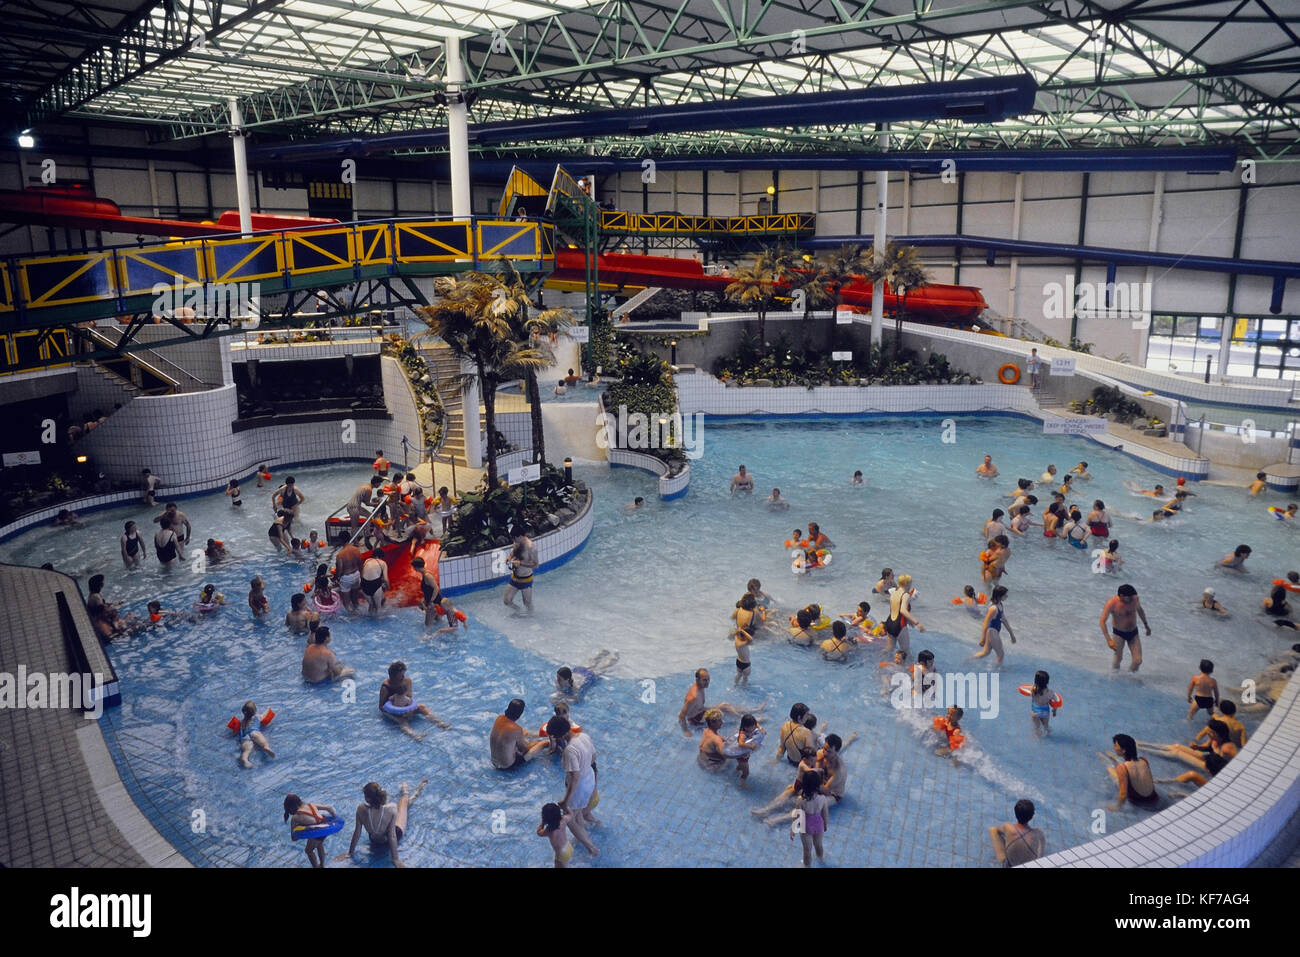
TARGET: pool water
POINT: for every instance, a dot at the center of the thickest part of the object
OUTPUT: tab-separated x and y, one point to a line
656	585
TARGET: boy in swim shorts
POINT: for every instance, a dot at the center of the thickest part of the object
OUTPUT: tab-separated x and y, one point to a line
1204	689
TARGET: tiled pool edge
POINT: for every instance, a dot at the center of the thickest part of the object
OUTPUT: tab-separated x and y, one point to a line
1228	822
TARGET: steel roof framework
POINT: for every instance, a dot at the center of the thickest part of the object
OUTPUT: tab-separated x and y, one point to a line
1111	73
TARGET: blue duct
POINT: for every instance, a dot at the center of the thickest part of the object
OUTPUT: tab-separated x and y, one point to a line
1279	271
982	100
1196	159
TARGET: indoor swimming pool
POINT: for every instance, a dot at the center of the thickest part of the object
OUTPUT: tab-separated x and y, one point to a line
656	585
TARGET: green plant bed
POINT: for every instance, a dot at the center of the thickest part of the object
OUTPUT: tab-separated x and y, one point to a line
487	520
784	365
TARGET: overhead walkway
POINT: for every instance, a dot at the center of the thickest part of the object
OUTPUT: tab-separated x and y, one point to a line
161	280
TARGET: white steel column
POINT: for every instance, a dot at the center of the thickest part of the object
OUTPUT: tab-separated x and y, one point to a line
241	167
1153	243
882	205
458	138
1014	270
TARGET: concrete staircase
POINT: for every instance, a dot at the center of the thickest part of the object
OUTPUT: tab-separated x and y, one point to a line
446	369
647	293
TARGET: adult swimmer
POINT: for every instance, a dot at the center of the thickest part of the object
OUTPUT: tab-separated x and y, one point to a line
1131	773
511	746
348	564
374	582
693	708
523	562
319	663
384	823
987	469
1124	609
742	481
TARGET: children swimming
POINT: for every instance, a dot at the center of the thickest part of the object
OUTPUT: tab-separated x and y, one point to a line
950	727
857	478
775	502
1237	560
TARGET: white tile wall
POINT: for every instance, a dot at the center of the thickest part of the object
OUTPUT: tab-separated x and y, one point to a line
187	441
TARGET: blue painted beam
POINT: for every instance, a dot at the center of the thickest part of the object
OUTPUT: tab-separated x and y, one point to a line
981	100
1195	159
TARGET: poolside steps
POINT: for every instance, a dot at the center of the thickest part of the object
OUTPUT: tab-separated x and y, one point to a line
445	366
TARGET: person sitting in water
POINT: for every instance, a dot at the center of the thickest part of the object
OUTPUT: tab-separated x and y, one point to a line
398	693
693	708
559	388
1277	606
318	661
761	598
1132	774
1227	713
1023	487
1081	472
1017	843
634	505
839	645
776	502
886	583
800	625
384	823
104	617
215	551
1260	483
987	469
298	616
950	727
1211	760
68	519
742	481
817	538
1048	477
510	746
1237	560
857	478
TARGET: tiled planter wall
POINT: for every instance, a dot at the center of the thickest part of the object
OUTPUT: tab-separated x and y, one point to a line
474	572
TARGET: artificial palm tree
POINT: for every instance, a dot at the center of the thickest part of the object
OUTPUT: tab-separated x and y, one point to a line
904	273
754	287
837	270
531	329
473	317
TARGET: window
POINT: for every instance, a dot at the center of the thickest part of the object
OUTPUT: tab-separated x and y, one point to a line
1265	347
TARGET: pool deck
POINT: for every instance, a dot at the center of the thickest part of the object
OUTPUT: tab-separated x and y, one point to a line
61	800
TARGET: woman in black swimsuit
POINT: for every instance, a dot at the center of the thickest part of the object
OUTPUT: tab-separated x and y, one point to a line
1129	772
166	544
132	549
278	533
374	587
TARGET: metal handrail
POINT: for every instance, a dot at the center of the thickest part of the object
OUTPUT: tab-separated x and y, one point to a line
333	333
92	332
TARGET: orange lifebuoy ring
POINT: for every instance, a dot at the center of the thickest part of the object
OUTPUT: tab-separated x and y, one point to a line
1288	585
1009	374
